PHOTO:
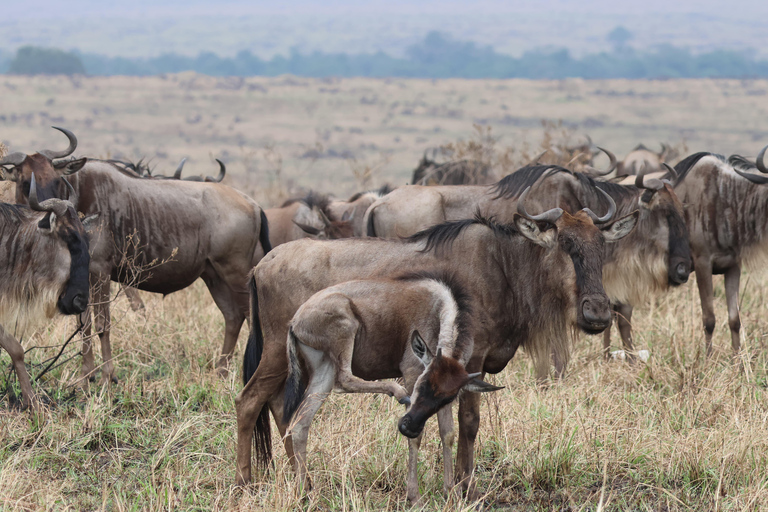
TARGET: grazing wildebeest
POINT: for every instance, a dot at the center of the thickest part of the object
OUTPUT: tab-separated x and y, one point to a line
655	256
44	269
378	327
196	230
462	172
726	209
642	160
353	209
533	281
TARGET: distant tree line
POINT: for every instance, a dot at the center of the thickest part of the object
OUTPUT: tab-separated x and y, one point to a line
437	56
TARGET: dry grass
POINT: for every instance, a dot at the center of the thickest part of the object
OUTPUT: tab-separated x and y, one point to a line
680	433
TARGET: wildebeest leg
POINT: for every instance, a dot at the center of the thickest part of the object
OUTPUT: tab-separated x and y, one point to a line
267	382
469	423
624	319
16	351
319	386
706	295
103	323
352	384
412	480
233	304
133	297
607	338
445	423
732	278
85	319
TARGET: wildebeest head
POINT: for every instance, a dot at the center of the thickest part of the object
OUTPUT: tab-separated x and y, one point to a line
666	215
19	167
579	237
63	223
438	385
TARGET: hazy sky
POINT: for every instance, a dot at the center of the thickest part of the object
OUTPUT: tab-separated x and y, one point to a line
141	28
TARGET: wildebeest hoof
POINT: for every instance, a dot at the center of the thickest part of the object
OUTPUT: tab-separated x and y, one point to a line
92	378
406	400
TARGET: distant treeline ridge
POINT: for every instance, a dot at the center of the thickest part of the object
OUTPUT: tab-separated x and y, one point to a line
437	56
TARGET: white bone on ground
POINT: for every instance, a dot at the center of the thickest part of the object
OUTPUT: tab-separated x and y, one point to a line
643	355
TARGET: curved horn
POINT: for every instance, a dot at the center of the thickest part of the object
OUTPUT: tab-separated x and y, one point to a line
72	196
671	170
609	214
177	172
535	161
611	166
13	159
57	206
222	173
52	155
760	161
651	185
550	216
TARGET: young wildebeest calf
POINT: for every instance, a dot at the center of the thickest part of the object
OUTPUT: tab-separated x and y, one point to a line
44	267
369	325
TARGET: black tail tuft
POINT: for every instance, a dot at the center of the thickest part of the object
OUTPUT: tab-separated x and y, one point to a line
266	245
294	386
371	229
262	435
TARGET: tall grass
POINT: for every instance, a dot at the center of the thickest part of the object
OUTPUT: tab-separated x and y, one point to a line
679	433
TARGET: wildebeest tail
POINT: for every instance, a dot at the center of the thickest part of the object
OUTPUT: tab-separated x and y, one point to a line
264	233
262	435
371	229
294	386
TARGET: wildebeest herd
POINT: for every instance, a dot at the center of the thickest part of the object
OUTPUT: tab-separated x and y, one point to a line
437	284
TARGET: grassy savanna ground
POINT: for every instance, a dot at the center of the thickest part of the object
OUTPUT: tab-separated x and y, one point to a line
677	433
312	133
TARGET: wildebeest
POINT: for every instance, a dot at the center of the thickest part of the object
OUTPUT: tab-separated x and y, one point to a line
533	281
726	209
378	326
196	230
655	256
142	170
353	209
462	172
642	160
44	269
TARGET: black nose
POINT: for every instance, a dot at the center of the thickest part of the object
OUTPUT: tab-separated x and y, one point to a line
406	427
597	314
682	272
80	302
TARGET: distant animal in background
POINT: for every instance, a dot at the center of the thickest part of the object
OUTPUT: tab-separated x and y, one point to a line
353	209
462	172
642	160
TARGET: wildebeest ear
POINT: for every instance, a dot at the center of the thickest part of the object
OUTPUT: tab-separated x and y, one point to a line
534	231
620	228
46	223
348	215
420	348
70	166
310	230
477	385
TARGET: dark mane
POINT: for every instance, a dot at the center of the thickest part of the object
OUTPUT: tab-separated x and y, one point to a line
458	292
688	163
14	213
443	235
514	184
